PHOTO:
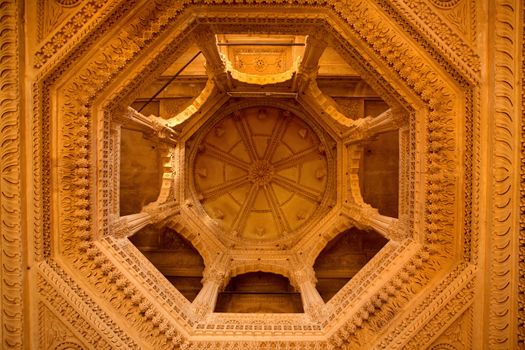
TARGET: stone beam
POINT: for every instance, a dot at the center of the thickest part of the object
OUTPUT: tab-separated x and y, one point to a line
206	40
365	217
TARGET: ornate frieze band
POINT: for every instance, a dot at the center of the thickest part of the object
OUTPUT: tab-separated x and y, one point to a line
11	114
503	331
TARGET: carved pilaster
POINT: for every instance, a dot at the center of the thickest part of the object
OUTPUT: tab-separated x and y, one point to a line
213	281
304	280
114	167
11	112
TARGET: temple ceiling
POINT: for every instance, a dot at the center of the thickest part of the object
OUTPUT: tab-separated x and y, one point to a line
216	140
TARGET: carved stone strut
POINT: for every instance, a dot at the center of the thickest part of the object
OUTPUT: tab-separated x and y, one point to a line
149	125
205	39
366	217
367	127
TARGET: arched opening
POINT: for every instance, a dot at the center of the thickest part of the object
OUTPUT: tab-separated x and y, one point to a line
343	257
173	256
140	171
259	292
379	171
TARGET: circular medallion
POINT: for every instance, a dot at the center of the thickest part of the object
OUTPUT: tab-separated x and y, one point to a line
261	173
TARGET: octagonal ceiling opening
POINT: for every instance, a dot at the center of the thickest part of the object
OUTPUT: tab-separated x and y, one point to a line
259	292
411	91
262	173
173	256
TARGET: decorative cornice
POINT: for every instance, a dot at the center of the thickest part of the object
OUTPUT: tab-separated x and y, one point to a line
68	299
458	283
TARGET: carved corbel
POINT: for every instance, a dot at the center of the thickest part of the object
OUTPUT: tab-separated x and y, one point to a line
127	226
205	39
149	125
365	217
364	128
315	45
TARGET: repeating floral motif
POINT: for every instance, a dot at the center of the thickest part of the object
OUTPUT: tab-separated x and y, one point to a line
521	284
11	257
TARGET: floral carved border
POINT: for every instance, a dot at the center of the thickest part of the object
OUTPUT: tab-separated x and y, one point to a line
504	225
11	101
76	27
521	262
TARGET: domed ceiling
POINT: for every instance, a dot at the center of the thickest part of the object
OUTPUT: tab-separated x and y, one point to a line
262	173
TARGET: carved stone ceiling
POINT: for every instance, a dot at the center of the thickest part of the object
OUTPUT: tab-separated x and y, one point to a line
262	173
103	55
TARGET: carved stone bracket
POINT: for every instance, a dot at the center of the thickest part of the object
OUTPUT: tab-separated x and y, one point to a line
366	217
205	39
127	226
153	213
161	212
149	125
307	72
365	128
